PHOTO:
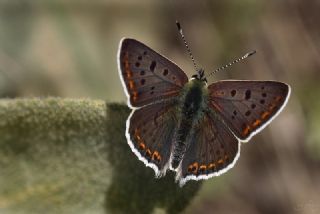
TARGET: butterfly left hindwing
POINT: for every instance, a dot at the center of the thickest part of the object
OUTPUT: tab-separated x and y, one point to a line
150	132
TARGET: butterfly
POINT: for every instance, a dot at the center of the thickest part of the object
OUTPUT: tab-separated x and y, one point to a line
186	125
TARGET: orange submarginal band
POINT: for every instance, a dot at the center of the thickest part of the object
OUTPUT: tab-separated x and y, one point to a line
127	65
265	114
246	130
202	167
256	123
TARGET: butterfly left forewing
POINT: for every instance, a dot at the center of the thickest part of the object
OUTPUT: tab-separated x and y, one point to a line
213	150
146	75
247	106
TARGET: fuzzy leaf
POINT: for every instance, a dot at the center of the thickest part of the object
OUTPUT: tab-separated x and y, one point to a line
71	156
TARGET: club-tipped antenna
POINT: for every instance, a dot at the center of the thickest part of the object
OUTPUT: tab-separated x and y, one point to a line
233	62
186	44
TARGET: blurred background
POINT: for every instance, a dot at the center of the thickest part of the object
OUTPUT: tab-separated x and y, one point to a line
68	49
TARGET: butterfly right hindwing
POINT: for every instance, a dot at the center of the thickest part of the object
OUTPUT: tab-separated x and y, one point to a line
213	149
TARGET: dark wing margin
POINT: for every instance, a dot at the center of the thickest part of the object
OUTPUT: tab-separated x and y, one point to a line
247	107
146	75
213	150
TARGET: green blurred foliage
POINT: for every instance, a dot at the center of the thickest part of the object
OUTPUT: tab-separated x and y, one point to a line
52	156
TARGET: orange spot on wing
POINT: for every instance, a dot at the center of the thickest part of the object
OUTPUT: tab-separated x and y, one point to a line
203	168
220	161
129	73
211	166
256	123
127	65
156	156
137	134
148	153
195	167
131	84
246	130
265	114
134	95
142	146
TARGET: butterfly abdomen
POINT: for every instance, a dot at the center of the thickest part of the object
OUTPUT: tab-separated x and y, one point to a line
191	103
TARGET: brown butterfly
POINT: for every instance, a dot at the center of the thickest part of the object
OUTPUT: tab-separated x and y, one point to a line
186	125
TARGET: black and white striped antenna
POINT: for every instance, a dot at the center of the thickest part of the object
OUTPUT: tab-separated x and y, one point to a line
233	62
186	44
201	71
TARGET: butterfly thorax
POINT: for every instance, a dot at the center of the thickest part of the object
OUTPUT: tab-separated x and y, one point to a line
192	103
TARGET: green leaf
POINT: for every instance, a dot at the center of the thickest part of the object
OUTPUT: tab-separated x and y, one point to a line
71	156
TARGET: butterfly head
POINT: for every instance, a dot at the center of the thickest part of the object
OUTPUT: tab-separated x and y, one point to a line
200	75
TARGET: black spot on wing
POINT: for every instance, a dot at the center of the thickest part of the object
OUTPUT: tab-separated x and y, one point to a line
153	66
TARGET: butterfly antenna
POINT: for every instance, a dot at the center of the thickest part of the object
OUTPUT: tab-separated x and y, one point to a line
186	44
233	62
